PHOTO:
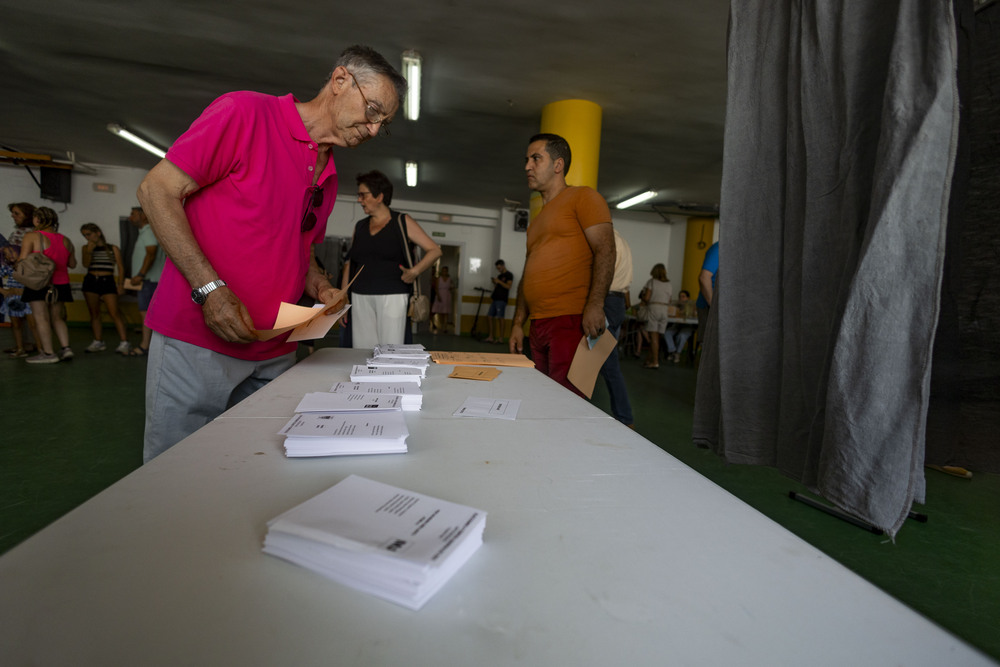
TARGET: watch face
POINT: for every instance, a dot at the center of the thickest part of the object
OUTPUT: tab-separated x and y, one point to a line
198	297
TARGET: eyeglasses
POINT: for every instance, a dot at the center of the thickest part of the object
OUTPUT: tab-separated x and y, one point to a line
363	195
315	201
372	114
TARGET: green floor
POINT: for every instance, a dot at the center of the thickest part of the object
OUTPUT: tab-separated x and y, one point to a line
71	429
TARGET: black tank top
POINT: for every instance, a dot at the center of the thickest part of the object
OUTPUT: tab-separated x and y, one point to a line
381	255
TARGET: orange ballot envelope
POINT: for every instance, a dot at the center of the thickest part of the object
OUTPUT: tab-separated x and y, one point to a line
587	362
304	323
482	359
484	373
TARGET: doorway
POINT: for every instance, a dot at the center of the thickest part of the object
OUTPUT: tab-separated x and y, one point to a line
451	257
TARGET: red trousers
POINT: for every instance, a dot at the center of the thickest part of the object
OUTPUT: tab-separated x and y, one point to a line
553	343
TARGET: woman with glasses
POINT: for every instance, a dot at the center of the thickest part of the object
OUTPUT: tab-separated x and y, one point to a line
381	294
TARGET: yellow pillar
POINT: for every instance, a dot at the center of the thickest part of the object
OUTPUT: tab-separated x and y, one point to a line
700	232
579	123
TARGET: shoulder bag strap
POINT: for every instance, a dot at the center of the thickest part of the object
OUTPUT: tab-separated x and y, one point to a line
406	247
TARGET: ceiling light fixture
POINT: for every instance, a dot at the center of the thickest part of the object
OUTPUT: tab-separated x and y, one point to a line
115	128
411	174
411	72
638	199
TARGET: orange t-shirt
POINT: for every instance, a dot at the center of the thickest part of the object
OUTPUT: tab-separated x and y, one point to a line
558	264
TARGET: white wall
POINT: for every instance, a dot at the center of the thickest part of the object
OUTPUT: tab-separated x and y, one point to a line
474	230
487	235
102	208
484	235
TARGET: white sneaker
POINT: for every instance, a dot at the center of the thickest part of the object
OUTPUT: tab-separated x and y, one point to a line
96	346
66	353
123	348
43	359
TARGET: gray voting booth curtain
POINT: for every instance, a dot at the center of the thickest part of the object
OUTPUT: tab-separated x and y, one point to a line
841	127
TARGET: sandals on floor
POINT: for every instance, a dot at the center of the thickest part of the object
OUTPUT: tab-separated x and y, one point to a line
138	351
653	366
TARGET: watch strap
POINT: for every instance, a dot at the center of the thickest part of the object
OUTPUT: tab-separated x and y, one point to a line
207	289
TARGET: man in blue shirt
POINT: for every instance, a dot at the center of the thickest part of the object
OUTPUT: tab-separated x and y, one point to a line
706	280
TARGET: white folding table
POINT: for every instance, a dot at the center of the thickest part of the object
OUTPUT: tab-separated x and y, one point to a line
600	549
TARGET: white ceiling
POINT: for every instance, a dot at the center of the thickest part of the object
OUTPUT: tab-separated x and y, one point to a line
69	67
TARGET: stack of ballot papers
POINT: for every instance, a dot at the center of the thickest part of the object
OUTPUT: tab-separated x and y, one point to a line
399	545
344	433
413	351
400	356
411	398
372	373
323	401
396	362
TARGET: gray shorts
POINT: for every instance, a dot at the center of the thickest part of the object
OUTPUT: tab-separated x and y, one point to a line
188	386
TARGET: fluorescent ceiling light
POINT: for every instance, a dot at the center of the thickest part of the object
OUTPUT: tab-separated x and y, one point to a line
638	199
115	128
411	174
411	72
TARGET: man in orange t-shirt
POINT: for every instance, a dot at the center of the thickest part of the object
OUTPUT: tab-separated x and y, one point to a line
569	263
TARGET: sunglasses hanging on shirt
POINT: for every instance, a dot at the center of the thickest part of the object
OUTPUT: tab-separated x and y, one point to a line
315	201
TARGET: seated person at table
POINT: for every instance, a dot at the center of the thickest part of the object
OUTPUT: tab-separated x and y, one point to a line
676	334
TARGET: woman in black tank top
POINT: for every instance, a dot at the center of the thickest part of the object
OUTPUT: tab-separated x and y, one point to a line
103	284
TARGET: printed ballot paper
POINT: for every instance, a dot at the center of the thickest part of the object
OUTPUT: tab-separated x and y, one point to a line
365	373
411	398
401	351
379	539
494	408
339	434
323	401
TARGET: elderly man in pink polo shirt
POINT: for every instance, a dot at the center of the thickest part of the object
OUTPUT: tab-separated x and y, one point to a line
238	204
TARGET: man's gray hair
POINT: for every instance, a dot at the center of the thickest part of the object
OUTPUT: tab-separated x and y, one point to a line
365	63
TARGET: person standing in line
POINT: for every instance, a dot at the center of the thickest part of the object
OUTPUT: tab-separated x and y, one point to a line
706	281
48	304
12	305
381	294
502	283
103	284
615	304
237	205
147	267
568	265
441	308
657	294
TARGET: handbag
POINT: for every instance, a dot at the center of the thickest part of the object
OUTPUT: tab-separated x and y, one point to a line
420	305
642	312
34	271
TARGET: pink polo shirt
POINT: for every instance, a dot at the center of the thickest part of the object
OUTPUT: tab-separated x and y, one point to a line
254	162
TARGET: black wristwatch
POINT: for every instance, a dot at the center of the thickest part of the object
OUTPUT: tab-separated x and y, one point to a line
200	295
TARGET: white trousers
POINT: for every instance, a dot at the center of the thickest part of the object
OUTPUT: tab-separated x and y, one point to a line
377	319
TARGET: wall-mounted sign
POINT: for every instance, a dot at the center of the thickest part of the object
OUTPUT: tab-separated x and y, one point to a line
104	187
437	233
